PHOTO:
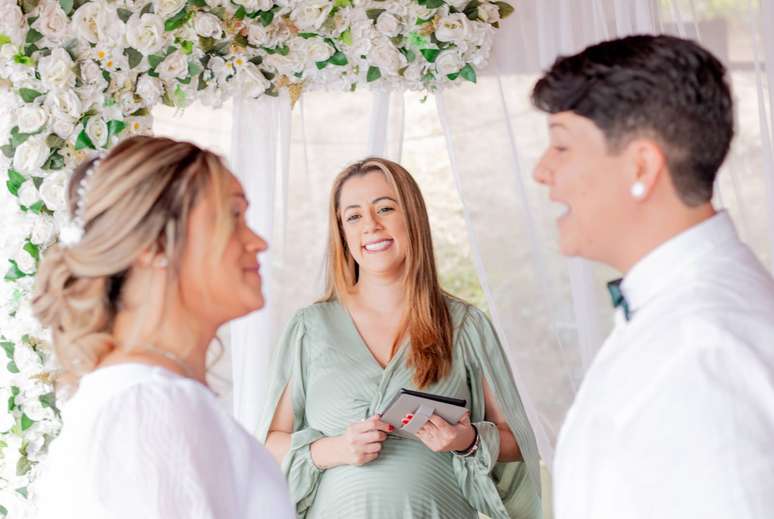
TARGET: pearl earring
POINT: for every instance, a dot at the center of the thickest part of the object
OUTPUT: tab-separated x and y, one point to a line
161	263
638	190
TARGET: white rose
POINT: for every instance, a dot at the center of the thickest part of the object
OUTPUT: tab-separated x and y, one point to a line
453	28
414	72
422	12
285	65
42	230
12	22
145	33
174	66
207	25
64	104
56	70
255	5
30	155
52	191
110	28
488	13
169	8
53	23
258	35
448	62
149	89
397	7
24	261
311	14
481	34
85	21
97	131
252	84
385	56
31	118
318	50
28	195
388	25
218	67
458	4
63	128
91	73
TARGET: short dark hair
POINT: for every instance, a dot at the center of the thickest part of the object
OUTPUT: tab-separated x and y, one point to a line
667	88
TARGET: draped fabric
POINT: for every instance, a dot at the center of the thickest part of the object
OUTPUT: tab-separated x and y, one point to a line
472	150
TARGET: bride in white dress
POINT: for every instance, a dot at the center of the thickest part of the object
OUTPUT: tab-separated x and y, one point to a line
157	258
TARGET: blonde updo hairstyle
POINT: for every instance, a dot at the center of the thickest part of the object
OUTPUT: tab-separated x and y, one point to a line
139	198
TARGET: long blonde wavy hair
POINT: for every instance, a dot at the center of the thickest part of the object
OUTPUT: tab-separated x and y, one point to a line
428	322
139	198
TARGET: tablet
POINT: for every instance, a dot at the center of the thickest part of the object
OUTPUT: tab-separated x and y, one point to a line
409	410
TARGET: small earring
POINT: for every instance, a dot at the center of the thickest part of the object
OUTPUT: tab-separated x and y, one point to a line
638	190
161	263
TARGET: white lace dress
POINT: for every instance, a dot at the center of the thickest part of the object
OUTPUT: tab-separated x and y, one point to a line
141	441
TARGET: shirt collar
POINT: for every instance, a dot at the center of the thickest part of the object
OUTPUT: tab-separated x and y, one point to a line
668	262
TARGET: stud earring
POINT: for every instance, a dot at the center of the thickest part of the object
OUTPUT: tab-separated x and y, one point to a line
638	190
161	263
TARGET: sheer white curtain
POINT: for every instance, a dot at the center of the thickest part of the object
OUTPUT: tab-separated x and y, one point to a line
472	150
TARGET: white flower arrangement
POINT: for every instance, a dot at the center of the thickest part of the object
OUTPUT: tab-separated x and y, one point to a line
78	75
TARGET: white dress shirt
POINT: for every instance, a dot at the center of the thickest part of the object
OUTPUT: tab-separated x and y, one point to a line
675	417
141	442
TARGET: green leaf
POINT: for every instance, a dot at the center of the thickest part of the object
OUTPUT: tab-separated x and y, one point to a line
9	348
54	162
338	58
180	96
206	43
220	12
18	138
23	465
154	60
373	73
186	46
321	64
410	55
505	8
148	9
29	95
21	59
283	50
346	37
84	142
177	21
54	141
26	422
22	491
4	40
48	400
115	127
33	36
15	181
453	76
39	207
134	56
342	3
124	14
434	4
67	6
11	366
307	35
430	54
469	73
240	13
197	3
194	69
32	249
267	17
241	40
373	14
8	150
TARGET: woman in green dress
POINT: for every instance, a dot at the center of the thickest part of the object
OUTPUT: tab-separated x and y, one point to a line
386	324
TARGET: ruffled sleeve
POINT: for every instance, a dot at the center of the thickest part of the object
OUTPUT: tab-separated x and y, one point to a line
290	358
499	490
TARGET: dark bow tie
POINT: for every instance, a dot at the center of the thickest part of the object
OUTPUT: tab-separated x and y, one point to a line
617	297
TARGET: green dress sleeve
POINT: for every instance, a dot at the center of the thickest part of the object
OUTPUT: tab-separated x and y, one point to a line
302	474
499	490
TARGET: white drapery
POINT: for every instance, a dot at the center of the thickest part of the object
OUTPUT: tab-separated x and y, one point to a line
480	142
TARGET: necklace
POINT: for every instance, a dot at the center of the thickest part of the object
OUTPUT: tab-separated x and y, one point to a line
187	371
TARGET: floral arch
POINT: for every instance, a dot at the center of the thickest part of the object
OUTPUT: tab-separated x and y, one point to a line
76	76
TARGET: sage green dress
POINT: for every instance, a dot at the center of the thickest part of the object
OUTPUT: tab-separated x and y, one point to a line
335	381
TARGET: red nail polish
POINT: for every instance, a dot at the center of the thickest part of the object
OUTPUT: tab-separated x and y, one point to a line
405	421
390	428
409	416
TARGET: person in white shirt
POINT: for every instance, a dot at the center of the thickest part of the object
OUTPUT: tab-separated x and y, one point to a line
157	257
675	417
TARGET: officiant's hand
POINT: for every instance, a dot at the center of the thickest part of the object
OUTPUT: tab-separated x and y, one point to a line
362	441
440	436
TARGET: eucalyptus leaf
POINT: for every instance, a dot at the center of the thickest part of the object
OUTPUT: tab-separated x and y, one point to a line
469	73
134	56
29	94
15	181
430	54
84	142
266	17
115	127
505	8
373	14
67	6
338	58
148	9
124	14
33	36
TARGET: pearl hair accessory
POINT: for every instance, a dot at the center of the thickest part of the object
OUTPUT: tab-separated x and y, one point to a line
72	233
638	190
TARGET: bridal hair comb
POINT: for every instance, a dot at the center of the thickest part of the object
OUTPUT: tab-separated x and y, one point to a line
71	233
